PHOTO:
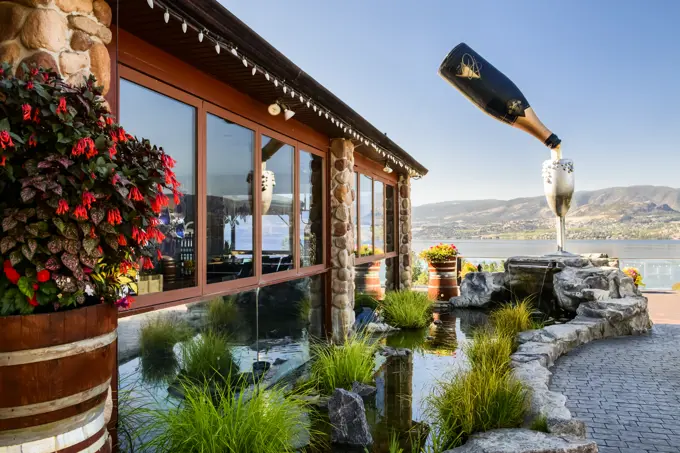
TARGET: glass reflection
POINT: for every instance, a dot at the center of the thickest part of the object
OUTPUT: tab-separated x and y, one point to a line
366	220
170	124
230	163
355	214
389	218
378	219
277	206
311	209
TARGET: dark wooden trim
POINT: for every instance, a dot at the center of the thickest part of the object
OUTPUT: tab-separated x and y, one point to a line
53	416
373	169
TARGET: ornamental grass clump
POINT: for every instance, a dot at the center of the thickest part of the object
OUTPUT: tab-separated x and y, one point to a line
223	420
511	319
406	309
159	336
489	350
79	197
338	366
222	313
209	359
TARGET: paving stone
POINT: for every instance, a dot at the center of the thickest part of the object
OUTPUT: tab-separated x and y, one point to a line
626	389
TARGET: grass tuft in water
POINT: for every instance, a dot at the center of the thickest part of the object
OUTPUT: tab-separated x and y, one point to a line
338	366
489	350
208	357
222	312
540	423
223	420
406	309
478	400
511	319
159	336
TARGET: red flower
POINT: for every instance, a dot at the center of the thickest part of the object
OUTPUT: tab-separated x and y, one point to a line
147	263
115	178
6	264
43	275
159	202
29	85
93	233
2	71
122	136
26	110
109	120
121	240
34	72
168	162
135	194
88	199
80	212
139	236
62	208
11	273
36	118
158	254
175	196
125	302
32	142
36	287
112	151
32	300
6	140
62	106
84	146
46	76
113	217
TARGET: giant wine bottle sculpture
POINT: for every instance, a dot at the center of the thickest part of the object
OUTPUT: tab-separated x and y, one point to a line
490	90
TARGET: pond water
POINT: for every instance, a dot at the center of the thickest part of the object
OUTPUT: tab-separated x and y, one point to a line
403	383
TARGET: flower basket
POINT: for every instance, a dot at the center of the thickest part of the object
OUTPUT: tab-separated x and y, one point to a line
443	280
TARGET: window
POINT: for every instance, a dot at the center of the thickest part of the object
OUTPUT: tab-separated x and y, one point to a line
277	191
311	209
378	218
366	215
230	231
355	214
170	124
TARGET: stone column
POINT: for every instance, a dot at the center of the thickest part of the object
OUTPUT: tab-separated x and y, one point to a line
67	36
404	232
342	238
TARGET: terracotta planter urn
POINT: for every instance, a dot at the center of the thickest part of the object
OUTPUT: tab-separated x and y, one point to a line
55	375
443	280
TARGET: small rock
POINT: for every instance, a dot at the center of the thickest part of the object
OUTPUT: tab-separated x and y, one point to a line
280	361
481	290
365	391
388	351
437	322
380	327
523	441
347	415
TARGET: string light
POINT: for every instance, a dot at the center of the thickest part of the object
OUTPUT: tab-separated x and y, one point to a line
202	31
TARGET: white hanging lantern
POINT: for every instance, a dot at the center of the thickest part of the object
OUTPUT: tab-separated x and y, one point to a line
166	16
200	36
218	48
184	27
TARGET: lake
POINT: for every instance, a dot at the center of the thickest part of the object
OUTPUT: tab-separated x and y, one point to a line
658	261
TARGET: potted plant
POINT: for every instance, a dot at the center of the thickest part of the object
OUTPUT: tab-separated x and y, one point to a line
367	279
79	199
634	273
443	271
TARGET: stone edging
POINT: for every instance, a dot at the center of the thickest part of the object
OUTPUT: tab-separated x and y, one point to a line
537	352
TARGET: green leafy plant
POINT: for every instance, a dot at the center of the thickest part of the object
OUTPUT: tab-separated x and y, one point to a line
338	366
367	250
224	420
540	423
478	400
406	309
208	358
511	319
159	336
488	349
439	253
467	268
222	312
418	271
635	274
79	197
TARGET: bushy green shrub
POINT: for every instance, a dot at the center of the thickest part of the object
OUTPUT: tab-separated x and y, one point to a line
478	400
511	319
208	358
488	349
221	420
338	366
406	309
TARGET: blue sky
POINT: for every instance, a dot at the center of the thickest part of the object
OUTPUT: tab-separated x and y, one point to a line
603	75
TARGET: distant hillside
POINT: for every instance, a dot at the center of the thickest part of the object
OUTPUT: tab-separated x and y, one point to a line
635	212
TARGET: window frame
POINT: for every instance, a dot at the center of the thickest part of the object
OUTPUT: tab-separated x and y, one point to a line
203	289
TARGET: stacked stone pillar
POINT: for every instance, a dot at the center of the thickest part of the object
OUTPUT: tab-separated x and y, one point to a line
67	36
405	232
342	238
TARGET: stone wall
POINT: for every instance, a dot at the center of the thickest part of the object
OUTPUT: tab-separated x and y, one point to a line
69	36
342	238
405	232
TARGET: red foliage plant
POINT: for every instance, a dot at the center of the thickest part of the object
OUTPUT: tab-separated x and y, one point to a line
79	197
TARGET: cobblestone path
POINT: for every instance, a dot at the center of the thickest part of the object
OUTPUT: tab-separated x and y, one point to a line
626	390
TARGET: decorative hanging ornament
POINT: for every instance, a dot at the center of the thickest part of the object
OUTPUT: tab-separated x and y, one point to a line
285	89
307	102
314	107
200	36
150	3
184	27
254	71
266	76
326	115
276	83
233	52
292	93
166	16
301	99
245	62
217	48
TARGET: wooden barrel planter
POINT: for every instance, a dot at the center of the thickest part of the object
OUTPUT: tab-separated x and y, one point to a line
55	374
443	280
367	280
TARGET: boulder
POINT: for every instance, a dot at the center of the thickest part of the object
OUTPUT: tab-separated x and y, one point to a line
44	29
348	419
388	351
574	286
81	41
365	391
102	11
101	66
39	59
523	441
10	53
481	290
12	18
